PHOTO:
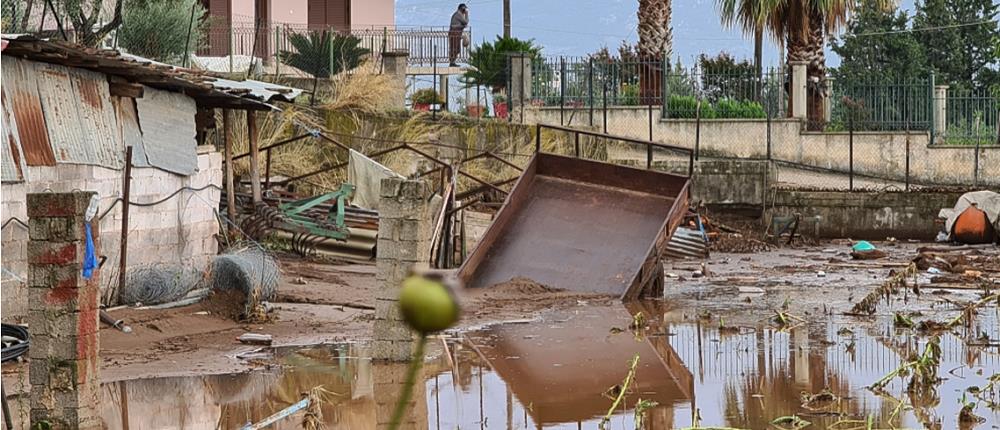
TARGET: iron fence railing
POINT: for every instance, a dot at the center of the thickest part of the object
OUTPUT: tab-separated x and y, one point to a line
425	45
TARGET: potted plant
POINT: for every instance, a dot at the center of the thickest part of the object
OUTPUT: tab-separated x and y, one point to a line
423	99
500	105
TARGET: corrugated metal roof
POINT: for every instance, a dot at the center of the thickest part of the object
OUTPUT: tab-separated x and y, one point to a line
128	125
80	131
259	90
194	83
168	130
19	83
12	168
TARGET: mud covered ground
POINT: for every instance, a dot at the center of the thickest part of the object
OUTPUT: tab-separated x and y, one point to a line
731	295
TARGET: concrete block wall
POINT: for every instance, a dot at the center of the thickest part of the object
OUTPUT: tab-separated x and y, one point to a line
404	232
880	154
178	231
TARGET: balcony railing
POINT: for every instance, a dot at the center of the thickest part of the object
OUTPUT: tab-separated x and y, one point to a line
426	45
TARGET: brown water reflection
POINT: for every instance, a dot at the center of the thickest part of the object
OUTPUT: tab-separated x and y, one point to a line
552	374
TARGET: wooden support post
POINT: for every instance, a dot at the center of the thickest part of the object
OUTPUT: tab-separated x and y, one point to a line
227	134
254	157
123	253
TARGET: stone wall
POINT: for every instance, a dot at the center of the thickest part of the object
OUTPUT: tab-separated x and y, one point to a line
178	231
863	215
878	154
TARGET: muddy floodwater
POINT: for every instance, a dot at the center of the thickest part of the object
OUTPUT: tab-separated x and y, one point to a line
562	370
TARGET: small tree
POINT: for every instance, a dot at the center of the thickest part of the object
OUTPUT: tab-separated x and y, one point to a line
489	61
159	29
323	54
85	15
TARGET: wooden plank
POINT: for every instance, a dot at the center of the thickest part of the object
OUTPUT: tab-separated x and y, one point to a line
227	133
254	157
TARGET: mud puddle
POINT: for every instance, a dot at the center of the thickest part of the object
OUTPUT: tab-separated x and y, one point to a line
556	372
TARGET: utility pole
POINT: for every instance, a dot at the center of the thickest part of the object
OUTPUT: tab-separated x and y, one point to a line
506	18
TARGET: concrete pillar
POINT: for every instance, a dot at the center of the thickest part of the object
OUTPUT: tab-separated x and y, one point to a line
798	89
404	232
62	314
940	110
394	65
389	380
828	98
520	80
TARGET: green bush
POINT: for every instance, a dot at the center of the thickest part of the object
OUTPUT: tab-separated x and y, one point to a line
682	106
629	95
729	108
426	96
159	29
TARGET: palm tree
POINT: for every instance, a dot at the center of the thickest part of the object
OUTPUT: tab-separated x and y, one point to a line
802	25
656	42
321	53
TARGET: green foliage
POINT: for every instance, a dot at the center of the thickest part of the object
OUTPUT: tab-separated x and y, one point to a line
158	29
730	108
323	54
722	76
629	95
489	61
426	96
876	45
961	54
687	107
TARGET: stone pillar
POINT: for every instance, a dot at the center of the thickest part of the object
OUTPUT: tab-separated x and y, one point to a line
520	81
394	65
798	89
940	110
404	233
389	380
63	314
828	99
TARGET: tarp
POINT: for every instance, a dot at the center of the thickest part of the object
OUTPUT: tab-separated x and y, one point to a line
986	201
366	175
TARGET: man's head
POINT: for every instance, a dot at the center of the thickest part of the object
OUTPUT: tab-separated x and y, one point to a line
462	7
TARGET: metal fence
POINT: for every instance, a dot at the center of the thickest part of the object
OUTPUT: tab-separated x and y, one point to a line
954	114
425	45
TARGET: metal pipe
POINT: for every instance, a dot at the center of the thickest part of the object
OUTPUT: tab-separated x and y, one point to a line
576	144
562	90
275	145
850	154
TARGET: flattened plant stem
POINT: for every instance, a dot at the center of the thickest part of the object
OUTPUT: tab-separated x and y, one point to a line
621	394
411	379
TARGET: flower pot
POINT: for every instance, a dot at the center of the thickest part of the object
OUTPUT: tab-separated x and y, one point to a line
474	111
500	109
422	107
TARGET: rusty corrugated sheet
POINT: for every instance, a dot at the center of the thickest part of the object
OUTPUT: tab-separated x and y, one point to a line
12	169
128	124
168	132
20	85
77	119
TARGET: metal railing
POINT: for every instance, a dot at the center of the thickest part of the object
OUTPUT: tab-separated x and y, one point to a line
419	42
602	139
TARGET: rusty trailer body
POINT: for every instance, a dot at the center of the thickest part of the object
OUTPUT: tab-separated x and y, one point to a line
582	226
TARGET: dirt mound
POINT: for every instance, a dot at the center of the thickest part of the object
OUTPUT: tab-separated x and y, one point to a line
521	285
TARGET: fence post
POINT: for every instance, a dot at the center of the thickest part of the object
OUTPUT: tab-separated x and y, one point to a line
850	154
277	58
697	129
604	101
975	168
590	89
930	107
230	46
650	109
769	134
576	144
538	138
434	76
941	109
907	174
664	86
562	90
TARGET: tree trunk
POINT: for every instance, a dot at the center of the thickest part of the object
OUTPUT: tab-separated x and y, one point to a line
815	72
758	40
655	44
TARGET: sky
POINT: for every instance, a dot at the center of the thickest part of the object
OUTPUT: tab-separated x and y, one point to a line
580	27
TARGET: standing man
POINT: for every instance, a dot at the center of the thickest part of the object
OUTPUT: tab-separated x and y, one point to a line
459	20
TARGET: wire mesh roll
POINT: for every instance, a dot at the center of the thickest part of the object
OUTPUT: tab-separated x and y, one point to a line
249	270
159	283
